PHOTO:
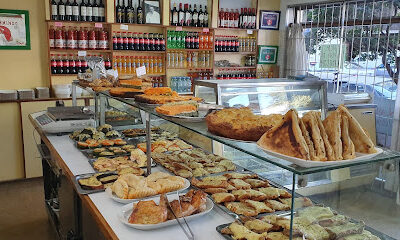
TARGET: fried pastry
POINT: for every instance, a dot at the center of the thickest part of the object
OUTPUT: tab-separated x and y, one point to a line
227	164
216	169
214	178
260	207
147	212
315	213
210	183
257	183
198	172
132	170
240	232
168	185
340	231
241	194
286	138
223	197
184	173
141	193
349	151
120	188
283	193
308	139
299	202
256	195
330	154
239	184
215	190
278	206
313	130
365	235
241	208
258	226
277	236
239	175
157	175
271	192
332	127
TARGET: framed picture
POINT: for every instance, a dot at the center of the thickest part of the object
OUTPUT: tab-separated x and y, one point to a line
152	11
267	54
270	19
14	29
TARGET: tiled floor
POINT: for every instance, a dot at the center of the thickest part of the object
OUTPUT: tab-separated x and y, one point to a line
22	211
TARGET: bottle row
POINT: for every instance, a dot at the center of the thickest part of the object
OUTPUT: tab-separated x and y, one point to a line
157	82
189	40
180	59
201	74
189	16
78	38
236	74
129	64
125	13
91	11
70	64
235	44
233	19
138	41
181	84
249	61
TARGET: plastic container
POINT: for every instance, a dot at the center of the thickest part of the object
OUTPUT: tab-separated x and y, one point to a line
62	91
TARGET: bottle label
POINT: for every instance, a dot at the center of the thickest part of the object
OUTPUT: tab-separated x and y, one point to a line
146	41
95	11
61	10
130	40
181	18
136	40
60	63
107	64
92	44
115	40
175	18
244	24
188	18
54	9
66	63
71	63
71	43
89	11
78	64
195	17
68	10
125	40
84	64
83	11
51	43
53	63
83	44
75	10
59	43
120	40
201	17
101	12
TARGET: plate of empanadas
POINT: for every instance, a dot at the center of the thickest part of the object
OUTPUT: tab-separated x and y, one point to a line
129	187
158	212
312	142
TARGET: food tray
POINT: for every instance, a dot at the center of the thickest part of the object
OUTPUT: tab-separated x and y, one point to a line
308	163
219	229
91	161
200	118
89	154
78	187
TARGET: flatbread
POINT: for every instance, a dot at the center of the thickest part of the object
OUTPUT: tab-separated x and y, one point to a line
349	151
286	138
313	130
330	154
332	128
362	142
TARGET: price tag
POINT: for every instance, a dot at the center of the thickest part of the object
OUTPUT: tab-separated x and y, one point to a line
98	25
123	27
140	71
206	30
58	24
82	53
178	28
249	31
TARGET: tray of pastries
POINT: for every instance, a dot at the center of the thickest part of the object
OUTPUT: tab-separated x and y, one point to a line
162	95
193	163
129	187
137	159
138	132
313	222
158	212
164	145
311	142
245	194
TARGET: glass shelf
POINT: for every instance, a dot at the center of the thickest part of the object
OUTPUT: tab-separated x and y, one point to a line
252	148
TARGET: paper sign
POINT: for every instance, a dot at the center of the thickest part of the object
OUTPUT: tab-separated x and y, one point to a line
123	27
140	71
98	25
206	30
249	31
178	28
82	53
58	24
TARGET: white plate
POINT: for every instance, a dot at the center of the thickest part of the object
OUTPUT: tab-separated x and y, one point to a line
126	211
125	201
308	163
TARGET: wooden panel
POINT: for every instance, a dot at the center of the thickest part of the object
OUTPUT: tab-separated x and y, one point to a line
11	161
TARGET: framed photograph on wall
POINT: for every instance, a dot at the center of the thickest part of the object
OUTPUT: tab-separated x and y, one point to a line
270	19
152	12
14	29
267	54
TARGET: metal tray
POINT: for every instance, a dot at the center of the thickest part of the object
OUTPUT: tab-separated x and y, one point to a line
91	161
78	187
219	229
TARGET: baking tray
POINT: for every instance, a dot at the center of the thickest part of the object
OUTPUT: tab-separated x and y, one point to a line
91	161
78	187
89	154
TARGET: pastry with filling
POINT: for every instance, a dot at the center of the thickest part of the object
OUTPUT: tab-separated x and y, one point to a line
315	213
271	192
283	193
259	206
258	226
241	209
349	151
241	194
278	206
210	183
341	231
240	232
308	139
256	195
239	184
286	138
215	190
242	176
332	127
223	197
148	212
257	183
330	154
365	235
313	130
90	183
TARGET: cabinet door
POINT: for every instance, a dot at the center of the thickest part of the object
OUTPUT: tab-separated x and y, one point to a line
33	164
11	160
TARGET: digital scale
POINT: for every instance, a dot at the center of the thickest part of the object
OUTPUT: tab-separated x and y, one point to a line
64	119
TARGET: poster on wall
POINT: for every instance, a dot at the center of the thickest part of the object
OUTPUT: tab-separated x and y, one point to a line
269	20
14	29
267	54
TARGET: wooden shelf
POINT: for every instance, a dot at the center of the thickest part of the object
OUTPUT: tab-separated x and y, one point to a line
139	25
170	27
189	50
147	75
201	68
64	74
229	53
134	51
79	22
234	29
77	50
219	68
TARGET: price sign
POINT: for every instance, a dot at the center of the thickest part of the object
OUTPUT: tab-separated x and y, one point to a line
98	25
249	31
123	27
82	53
206	30
140	71
178	28
58	24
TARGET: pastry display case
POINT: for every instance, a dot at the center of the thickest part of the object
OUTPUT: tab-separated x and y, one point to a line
336	207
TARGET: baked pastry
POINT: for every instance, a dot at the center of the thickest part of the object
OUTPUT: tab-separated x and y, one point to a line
260	207
120	188
349	151
223	197
315	134
270	192
332	127
330	154
286	138
184	108
308	140
241	194
315	213
241	209
157	175
283	193
258	226
131	83
132	170
239	184
277	236
365	235
192	202
349	228
90	183
210	183
239	175
241	124
256	183
256	195
240	232
139	157
147	212
278	206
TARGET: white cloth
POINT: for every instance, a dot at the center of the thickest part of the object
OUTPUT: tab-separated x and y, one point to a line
296	54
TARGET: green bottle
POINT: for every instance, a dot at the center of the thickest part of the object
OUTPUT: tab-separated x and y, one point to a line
173	40
178	39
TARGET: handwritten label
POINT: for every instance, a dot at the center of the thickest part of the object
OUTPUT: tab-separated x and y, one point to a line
249	31
179	28
58	24
123	27
206	30
140	71
82	53
98	25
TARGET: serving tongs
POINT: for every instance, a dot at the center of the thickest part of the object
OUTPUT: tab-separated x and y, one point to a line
189	233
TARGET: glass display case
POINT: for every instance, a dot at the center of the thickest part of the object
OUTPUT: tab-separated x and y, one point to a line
365	205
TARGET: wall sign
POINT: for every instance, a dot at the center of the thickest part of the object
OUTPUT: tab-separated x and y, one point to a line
14	29
267	54
270	19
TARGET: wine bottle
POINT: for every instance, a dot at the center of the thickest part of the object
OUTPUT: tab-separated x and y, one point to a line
102	15
95	11
61	11
188	16
181	15
54	10
195	17
201	17
129	13
83	11
89	12
118	11
205	17
75	11
139	14
175	16
68	11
